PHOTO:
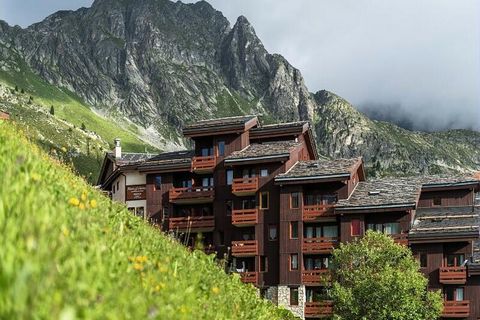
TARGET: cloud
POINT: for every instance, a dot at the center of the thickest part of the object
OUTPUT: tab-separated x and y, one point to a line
423	55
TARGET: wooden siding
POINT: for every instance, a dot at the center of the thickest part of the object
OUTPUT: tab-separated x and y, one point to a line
463	197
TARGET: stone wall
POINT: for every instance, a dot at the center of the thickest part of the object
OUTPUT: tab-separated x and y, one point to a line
284	300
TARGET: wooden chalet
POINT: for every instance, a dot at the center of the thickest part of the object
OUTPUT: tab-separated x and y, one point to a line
260	195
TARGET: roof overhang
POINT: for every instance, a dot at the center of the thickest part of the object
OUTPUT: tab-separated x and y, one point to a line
442	237
220	129
313	179
475	184
381	208
163	168
262	159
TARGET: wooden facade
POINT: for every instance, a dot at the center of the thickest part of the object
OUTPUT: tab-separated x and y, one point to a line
278	227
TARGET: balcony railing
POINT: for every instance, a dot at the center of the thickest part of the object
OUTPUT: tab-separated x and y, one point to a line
456	309
204	164
245	217
319	245
249	277
192	195
247	248
318	309
194	224
316	277
245	186
401	238
313	212
453	275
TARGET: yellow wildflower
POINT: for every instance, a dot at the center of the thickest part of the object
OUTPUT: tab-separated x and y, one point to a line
81	206
36	177
141	259
74	201
84	196
138	266
216	290
93	203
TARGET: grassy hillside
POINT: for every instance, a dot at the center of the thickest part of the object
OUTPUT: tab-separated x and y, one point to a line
68	252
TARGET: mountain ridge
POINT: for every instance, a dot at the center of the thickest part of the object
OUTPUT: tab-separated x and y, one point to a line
162	64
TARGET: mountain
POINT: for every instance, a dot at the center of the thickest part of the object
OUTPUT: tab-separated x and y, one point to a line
156	65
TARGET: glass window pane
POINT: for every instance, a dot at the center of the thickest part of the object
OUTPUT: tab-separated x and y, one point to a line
330	231
272	232
264	173
229	177
294	262
459	294
221	148
294	230
309	232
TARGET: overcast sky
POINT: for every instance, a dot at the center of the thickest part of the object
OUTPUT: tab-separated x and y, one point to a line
417	56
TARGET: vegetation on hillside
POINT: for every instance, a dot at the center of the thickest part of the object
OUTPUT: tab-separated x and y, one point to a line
378	279
69	252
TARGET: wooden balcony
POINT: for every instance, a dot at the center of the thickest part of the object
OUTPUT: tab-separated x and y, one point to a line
453	275
456	309
321	309
245	186
204	164
191	195
319	245
249	277
316	277
193	224
245	217
314	212
401	238
247	248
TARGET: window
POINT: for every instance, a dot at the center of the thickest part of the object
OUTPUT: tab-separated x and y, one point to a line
207	182
228	207
294	262
264	200
206	152
158	182
294	230
263	172
229	174
221	148
263	264
294	296
454	294
423	257
356	225
437	201
272	232
387	228
294	200
455	260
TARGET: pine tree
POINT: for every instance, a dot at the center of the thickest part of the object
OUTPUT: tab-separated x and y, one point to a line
52	110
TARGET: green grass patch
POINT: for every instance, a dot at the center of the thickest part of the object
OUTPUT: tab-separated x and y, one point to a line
69	252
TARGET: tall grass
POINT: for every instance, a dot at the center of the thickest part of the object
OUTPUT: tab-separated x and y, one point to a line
68	252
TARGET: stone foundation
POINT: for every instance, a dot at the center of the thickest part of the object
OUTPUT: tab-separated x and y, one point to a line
284	300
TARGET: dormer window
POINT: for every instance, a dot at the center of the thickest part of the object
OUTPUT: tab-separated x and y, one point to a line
221	148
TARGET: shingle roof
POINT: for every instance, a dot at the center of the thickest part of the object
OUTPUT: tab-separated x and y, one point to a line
169	158
319	168
130	157
296	124
446	221
263	150
435	180
212	123
383	192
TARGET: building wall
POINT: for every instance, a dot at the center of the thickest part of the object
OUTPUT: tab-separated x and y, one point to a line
449	198
284	300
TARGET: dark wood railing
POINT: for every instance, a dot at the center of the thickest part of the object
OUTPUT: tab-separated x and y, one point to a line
191	223
203	164
319	245
249	277
318	309
456	309
453	275
401	238
313	212
245	186
316	277
245	248
245	217
191	195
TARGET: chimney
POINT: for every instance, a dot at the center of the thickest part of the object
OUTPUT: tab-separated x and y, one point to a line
117	151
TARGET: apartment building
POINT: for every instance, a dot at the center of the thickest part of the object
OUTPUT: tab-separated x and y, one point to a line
261	196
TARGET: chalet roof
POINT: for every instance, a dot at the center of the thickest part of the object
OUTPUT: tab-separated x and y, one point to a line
446	221
300	125
169	158
318	169
434	181
266	150
390	193
212	126
129	157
